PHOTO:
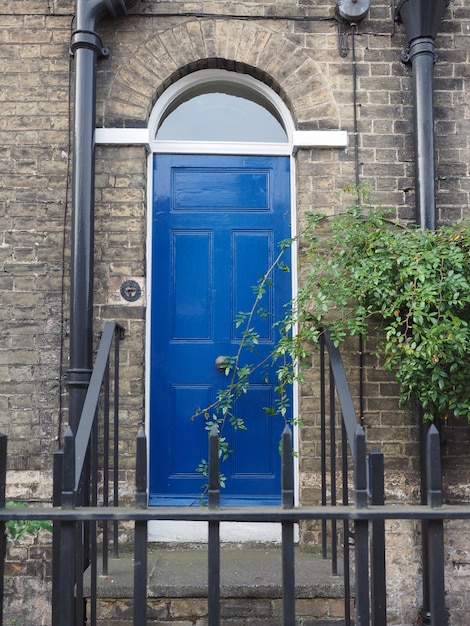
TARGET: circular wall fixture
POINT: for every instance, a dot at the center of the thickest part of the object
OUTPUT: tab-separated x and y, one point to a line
352	10
131	290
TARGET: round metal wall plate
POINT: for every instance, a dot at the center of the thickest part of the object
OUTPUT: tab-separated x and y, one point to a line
131	290
353	10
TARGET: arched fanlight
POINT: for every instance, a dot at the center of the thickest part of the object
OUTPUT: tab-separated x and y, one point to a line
221	109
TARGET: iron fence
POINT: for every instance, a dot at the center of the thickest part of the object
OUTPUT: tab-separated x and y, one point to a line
364	517
82	471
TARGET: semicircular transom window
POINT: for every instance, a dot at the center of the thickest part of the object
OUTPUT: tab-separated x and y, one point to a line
221	112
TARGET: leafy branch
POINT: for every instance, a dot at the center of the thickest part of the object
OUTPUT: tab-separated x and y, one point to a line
364	271
221	411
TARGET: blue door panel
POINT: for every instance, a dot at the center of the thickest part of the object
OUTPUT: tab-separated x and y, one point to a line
217	189
191	304
249	245
257	441
184	459
217	222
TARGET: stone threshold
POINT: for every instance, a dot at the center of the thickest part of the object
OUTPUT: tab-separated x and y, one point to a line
246	571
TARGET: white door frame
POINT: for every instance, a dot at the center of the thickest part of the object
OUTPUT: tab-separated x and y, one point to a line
192	531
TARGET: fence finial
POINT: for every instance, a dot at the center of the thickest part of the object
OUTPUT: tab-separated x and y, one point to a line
141	469
360	468
433	467
214	487
287	469
68	471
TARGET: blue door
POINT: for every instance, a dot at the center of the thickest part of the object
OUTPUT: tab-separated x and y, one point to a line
217	224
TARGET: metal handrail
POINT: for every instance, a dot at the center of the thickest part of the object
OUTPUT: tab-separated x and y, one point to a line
352	437
342	388
84	430
77	472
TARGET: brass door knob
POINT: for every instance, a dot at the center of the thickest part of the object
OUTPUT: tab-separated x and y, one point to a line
221	363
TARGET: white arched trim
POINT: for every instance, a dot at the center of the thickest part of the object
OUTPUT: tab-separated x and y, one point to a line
216	77
295	138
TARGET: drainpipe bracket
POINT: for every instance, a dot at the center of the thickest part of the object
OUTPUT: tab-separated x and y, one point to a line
87	39
420	45
405	58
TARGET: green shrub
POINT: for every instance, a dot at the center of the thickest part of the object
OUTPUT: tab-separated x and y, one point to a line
16	529
363	271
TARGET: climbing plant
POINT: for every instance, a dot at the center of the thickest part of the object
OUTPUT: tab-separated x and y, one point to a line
361	271
364	272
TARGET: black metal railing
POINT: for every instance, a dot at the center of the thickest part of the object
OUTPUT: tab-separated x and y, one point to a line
362	515
369	487
82	470
86	474
346	461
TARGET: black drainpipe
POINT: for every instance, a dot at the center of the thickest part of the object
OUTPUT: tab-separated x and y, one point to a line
422	19
85	47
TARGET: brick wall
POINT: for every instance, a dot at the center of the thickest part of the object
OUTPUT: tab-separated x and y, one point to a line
150	49
28	581
33	179
233	612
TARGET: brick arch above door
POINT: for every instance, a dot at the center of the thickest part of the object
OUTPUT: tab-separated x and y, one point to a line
165	56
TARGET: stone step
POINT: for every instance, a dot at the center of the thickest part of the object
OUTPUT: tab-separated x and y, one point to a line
250	588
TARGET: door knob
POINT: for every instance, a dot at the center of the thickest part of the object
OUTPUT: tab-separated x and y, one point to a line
222	362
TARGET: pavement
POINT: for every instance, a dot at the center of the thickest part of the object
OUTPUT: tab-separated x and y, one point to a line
245	571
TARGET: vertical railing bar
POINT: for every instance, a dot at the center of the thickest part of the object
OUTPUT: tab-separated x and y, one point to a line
94	462
347	574
68	470
213	565
93	573
439	614
334	539
213	478
346	548
66	593
79	569
287	474
67	580
140	542
3	539
288	556
361	530
105	539
377	543
57	462
424	612
437	607
92	525
344	464
117	336
140	573
324	526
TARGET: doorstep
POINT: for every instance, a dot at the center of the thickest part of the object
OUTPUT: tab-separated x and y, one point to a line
245	571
